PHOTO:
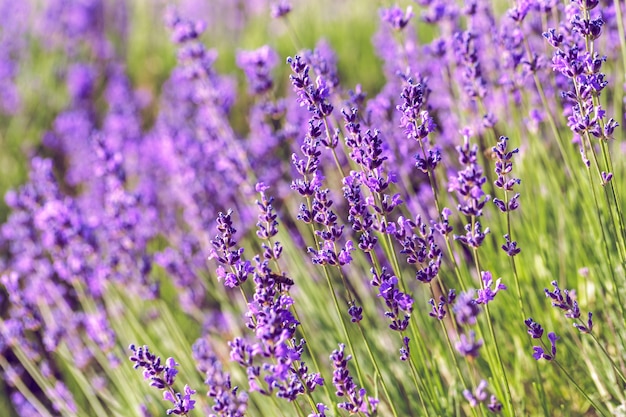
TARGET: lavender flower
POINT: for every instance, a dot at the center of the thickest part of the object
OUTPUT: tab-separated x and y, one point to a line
396	18
478	396
534	329
469	181
541	353
162	377
487	294
357	399
438	311
420	248
226	253
182	402
565	300
468	346
504	166
280	9
355	312
466	308
321	411
405	350
399	304
228	400
312	96
257	66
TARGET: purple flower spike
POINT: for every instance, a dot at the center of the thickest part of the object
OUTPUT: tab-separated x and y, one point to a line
606	177
280	9
478	396
396	18
534	329
466	308
487	294
510	247
585	328
257	65
494	405
356	313
468	346
357	399
183	403
163	377
540	353
405	351
399	304
321	411
563	300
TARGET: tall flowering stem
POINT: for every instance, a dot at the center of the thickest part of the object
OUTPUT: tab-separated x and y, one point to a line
472	200
507	183
418	124
566	300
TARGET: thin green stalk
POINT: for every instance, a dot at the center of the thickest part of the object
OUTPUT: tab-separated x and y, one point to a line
343	325
433	187
579	388
492	332
613	364
414	375
24	390
43	382
378	372
605	245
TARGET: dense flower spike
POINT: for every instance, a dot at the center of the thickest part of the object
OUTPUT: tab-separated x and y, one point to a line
257	65
162	376
487	294
468	345
357	400
534	329
226	253
399	304
469	182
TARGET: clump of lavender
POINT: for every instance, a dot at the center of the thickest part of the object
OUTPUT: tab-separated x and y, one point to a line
273	362
162	377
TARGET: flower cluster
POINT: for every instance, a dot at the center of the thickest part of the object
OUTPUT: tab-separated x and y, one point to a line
536	332
565	300
357	400
162	377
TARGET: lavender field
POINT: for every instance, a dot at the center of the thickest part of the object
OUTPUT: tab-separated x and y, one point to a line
312	208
